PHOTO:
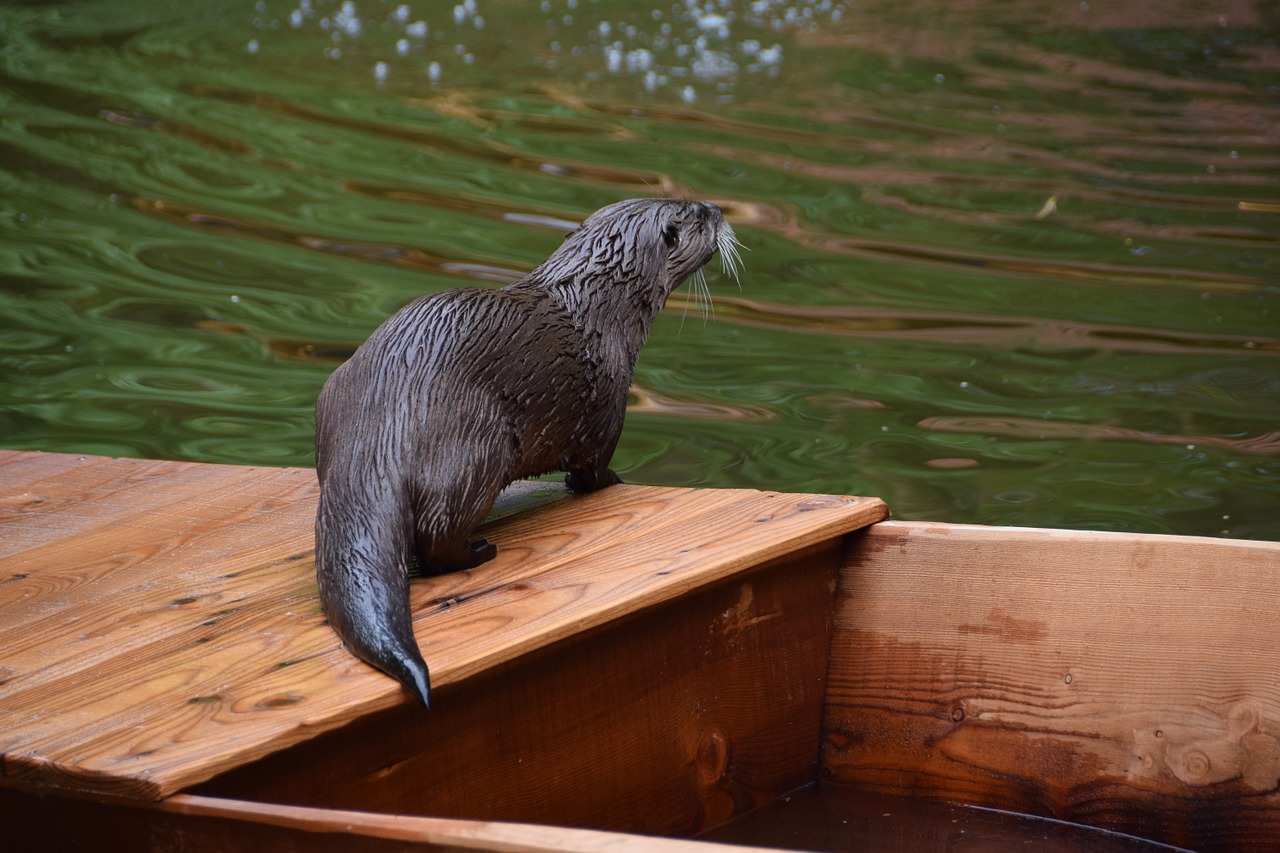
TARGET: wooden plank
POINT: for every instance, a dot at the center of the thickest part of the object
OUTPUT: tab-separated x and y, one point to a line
35	823
19	467
1123	681
202	601
86	509
667	722
192	531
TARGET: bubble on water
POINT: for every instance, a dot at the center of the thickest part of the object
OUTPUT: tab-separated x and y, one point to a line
711	64
707	40
380	71
715	24
252	46
347	20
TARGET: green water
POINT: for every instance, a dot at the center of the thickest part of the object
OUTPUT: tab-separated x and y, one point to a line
1010	263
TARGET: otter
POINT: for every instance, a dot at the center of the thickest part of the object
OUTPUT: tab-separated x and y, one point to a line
463	392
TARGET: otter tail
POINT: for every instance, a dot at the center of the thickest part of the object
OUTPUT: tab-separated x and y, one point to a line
362	569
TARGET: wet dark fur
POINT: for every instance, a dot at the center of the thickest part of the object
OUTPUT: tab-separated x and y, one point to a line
461	393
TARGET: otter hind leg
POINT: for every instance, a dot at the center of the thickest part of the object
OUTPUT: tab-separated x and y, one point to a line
455	555
444	521
483	550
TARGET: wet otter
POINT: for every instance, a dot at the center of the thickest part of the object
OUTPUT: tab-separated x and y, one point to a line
463	392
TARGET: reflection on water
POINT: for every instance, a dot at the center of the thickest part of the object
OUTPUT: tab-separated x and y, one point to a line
1010	263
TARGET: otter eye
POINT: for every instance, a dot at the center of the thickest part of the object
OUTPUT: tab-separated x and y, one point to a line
669	235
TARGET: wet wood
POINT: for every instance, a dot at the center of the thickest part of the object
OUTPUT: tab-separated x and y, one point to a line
161	625
1123	681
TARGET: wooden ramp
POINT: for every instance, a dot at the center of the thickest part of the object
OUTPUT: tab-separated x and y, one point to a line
161	628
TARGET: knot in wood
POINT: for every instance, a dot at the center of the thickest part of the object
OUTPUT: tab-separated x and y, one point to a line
1195	765
712	757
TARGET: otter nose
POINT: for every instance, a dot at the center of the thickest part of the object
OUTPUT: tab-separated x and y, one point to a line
711	208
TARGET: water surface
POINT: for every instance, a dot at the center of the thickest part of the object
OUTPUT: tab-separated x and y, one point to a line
1010	263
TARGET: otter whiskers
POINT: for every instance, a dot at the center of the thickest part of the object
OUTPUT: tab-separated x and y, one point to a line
727	244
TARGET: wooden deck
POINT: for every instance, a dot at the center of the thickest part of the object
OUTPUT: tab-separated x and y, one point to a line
161	625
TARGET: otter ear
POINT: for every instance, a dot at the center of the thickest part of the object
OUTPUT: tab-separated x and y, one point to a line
669	235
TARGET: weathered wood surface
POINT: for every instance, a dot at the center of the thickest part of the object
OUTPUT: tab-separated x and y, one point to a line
160	622
1123	681
184	822
667	723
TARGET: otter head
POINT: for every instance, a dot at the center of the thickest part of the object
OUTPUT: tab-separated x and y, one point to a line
616	270
665	240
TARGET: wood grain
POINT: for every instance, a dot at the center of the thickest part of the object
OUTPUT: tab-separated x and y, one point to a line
161	625
1123	681
183	822
668	722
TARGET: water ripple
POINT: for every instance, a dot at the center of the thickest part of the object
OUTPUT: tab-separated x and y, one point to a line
1266	443
986	330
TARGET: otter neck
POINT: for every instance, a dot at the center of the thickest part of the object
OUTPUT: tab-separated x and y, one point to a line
614	318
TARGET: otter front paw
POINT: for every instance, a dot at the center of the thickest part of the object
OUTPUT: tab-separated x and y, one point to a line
589	480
